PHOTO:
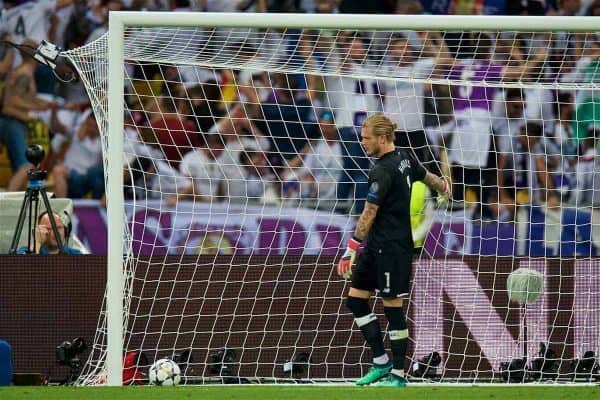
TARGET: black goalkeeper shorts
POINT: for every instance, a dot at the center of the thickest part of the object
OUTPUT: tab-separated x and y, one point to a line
386	270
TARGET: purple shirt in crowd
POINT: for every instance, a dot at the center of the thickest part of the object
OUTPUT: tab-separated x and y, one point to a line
474	97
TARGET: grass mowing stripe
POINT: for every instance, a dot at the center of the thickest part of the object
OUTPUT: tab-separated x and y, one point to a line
232	392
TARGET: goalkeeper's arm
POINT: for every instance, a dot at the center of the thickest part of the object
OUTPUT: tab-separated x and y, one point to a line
438	184
344	268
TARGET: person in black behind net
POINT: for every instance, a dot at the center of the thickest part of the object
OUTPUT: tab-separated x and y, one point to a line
385	264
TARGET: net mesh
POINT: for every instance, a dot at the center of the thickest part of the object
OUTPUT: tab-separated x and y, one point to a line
244	176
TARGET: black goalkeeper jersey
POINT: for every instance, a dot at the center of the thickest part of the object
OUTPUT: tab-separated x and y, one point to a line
390	181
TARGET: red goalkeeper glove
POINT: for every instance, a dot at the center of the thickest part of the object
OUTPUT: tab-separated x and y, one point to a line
344	267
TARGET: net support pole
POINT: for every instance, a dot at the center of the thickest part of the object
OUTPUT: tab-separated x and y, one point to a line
115	281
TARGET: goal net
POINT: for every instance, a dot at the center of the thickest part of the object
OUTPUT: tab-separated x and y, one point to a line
240	177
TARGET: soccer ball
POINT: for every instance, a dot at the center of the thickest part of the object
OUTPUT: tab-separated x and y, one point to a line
164	372
524	285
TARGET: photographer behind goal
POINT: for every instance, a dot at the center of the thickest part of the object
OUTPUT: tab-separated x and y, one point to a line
45	240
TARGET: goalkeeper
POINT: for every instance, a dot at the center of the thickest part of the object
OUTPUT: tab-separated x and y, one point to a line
385	264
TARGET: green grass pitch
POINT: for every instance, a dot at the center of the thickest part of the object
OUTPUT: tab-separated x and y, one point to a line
301	392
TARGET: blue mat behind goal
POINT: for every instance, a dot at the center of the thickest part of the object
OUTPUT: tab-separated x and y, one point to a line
5	363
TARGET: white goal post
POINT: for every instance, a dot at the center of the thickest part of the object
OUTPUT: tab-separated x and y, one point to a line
110	105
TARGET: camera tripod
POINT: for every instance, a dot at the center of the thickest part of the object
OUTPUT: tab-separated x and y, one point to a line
74	372
35	189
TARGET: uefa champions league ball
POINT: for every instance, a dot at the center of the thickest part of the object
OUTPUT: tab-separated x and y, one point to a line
524	285
164	372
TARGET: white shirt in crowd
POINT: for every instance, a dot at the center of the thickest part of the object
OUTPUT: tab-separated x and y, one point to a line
236	143
505	128
539	104
244	186
254	79
587	180
352	99
403	98
208	174
325	164
165	179
29	20
521	164
63	19
472	126
83	154
192	75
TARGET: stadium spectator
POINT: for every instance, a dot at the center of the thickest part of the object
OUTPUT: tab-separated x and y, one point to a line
352	100
525	175
32	21
46	242
525	58
255	183
19	102
253	89
562	129
526	7
586	190
509	116
233	6
97	16
539	99
470	132
175	132
594	9
62	26
508	119
287	113
406	7
367	7
29	20
567	8
587	102
81	172
240	132
7	55
403	101
205	168
205	104
147	174
326	7
319	166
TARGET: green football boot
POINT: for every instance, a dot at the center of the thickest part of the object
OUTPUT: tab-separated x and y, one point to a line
392	381
375	373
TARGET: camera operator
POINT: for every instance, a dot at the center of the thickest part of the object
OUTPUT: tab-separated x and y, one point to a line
46	242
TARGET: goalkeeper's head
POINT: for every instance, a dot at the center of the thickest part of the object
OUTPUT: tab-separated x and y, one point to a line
378	134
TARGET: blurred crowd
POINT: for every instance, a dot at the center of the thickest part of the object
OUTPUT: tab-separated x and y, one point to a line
254	136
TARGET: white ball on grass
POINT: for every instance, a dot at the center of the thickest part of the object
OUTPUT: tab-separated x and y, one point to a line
164	372
524	285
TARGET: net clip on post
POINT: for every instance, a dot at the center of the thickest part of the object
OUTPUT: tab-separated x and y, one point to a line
47	53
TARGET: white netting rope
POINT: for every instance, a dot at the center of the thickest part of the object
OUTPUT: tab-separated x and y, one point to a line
210	97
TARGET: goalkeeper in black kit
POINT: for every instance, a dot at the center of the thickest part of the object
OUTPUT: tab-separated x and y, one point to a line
385	263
